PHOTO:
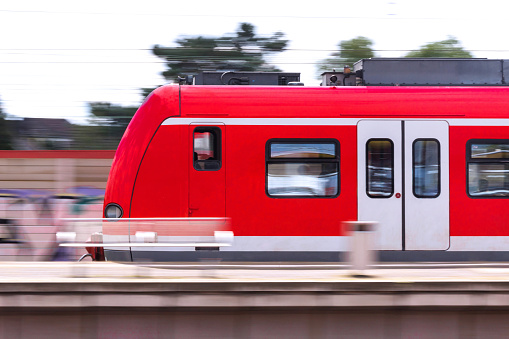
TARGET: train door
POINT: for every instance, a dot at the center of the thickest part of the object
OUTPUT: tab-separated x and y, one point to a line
403	182
207	173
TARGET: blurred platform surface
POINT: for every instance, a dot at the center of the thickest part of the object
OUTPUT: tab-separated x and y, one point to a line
105	299
303	285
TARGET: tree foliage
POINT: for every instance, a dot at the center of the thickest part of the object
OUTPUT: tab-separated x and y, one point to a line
109	122
449	48
112	114
350	51
5	135
242	51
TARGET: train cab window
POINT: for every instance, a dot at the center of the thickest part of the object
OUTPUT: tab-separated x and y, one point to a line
380	168
488	168
207	148
426	168
302	168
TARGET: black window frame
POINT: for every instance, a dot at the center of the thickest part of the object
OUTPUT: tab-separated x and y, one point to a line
439	169
469	160
270	160
217	149
367	168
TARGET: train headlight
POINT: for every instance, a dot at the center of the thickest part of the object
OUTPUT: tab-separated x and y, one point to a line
113	211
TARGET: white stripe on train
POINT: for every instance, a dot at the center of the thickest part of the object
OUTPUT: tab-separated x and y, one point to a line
318	243
323	121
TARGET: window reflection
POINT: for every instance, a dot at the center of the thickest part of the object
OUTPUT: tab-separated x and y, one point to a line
302	151
490	151
303	169
204	145
380	168
426	168
488	168
302	179
487	179
206	149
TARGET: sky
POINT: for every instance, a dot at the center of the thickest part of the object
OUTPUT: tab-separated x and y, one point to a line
56	56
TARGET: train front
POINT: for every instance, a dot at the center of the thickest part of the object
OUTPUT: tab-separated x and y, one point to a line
147	192
136	143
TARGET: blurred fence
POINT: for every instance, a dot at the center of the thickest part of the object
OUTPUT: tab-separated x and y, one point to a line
40	188
55	171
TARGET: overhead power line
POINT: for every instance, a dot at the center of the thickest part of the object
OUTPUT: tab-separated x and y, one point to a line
237	16
219	49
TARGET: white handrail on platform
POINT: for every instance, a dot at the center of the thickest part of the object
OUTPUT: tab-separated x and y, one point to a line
137	244
222	239
125	219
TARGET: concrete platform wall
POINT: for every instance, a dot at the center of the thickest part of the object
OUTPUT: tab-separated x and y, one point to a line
246	323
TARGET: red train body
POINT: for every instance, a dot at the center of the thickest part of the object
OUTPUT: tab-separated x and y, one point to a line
287	165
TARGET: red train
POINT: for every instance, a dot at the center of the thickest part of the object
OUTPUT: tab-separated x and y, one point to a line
287	165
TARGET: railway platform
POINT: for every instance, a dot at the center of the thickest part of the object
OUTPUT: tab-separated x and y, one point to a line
253	300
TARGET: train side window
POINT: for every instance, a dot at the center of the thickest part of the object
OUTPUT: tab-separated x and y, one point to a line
379	168
488	168
426	168
207	148
302	168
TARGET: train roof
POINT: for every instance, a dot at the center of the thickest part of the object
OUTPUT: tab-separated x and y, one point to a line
337	102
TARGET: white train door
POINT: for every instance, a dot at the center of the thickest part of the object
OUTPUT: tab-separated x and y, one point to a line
403	182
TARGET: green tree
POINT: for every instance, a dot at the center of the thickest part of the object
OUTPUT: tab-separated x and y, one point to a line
350	51
5	135
108	123
449	48
242	51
